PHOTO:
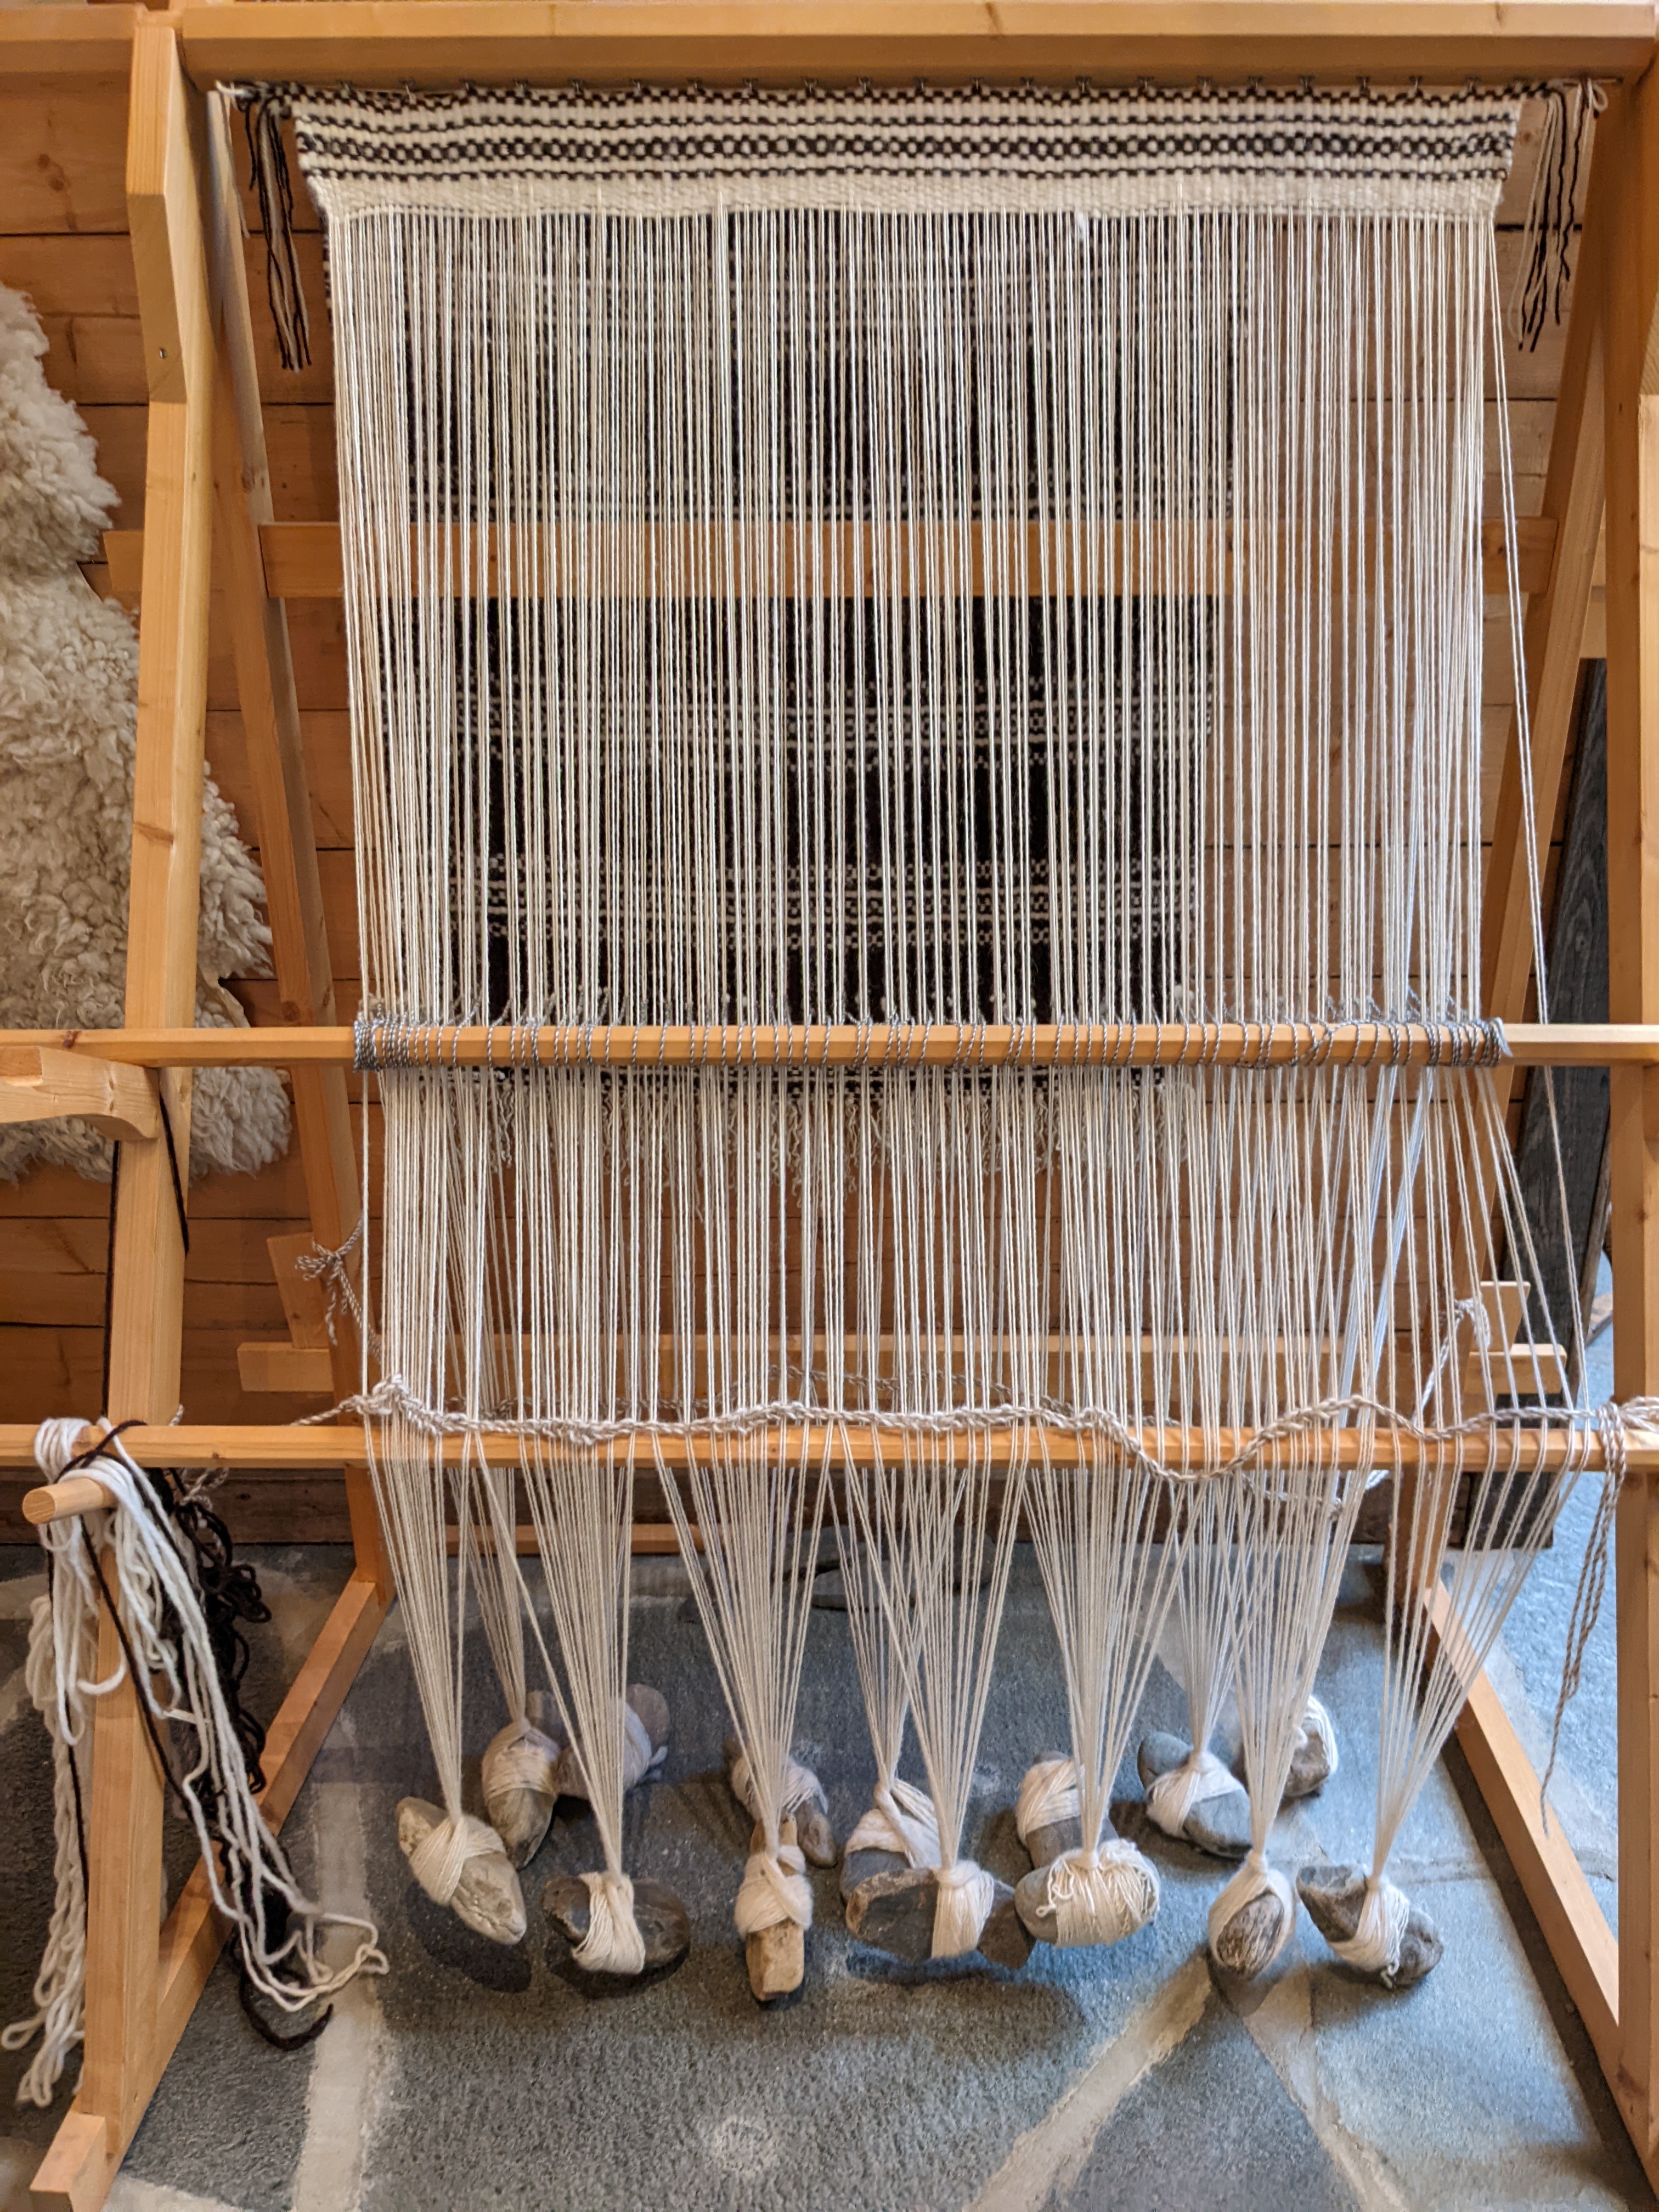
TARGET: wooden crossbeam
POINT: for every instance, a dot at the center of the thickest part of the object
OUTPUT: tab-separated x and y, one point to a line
303	561
1125	1044
947	41
331	1444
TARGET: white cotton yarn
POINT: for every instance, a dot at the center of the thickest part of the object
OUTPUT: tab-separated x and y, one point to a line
900	1819
440	1858
57	1673
1103	1895
774	1889
1255	1879
1375	1945
277	1928
966	1894
1172	1795
613	1943
798	1785
1317	1723
1047	1796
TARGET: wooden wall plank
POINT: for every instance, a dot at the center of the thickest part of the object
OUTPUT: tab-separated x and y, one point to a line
63	156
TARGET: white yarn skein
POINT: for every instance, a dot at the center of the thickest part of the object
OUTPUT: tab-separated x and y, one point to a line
1047	1796
966	1894
60	1992
801	1787
613	1943
1316	1722
525	1760
901	1819
1200	1777
1374	1946
160	1609
1256	1878
1103	1895
774	1889
439	1859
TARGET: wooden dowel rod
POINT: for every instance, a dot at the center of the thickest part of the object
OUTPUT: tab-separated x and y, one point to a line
331	1445
1126	1044
60	1501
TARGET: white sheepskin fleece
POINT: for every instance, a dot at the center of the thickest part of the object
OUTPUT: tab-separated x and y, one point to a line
69	689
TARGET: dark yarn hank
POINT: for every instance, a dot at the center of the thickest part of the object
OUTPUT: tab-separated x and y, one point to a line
262	113
230	1594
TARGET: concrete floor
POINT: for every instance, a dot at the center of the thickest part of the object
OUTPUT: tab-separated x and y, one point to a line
472	2077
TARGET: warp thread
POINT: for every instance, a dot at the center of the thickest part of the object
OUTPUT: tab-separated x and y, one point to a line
523	1758
441	1858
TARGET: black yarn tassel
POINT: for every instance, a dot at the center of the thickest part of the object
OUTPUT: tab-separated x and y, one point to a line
1542	290
264	110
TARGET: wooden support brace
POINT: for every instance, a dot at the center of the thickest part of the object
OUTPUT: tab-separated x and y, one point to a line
42	1082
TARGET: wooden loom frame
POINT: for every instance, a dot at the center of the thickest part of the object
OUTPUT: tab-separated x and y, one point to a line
208	501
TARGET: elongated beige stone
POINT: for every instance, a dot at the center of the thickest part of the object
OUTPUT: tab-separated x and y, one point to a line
775	1956
487	1898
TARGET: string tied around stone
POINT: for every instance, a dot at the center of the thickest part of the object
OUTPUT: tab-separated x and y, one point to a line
441	1857
1375	1945
900	1819
1047	1796
966	1894
774	1888
1255	1879
1100	1896
613	1943
1200	1778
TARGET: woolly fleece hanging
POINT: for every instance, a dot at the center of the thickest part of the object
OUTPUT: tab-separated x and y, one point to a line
69	674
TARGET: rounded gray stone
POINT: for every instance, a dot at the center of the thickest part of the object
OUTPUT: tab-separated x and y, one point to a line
1246	1945
1310	1766
1336	1896
1219	1825
663	1926
894	1912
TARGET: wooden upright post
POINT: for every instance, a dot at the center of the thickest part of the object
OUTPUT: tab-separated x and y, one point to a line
1629	150
124	1857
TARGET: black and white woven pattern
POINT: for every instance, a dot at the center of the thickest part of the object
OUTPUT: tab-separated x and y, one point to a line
969	149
